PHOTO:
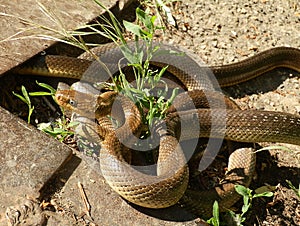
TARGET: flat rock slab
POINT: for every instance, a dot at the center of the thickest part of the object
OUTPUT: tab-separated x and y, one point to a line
28	159
19	22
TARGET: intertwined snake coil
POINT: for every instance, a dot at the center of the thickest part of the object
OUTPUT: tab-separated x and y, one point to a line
170	184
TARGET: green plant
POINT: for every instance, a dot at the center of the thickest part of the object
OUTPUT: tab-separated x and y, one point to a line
146	79
238	218
59	129
51	91
247	202
25	98
139	59
215	219
296	190
248	196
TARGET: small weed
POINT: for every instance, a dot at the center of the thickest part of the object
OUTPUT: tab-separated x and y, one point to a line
139	59
25	98
215	220
142	95
59	129
51	90
296	190
247	200
247	203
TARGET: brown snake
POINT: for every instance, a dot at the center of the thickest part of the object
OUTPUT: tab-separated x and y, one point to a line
170	184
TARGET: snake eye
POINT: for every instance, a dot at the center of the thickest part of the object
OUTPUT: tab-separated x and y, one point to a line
72	102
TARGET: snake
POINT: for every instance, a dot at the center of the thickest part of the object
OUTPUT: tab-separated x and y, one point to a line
219	117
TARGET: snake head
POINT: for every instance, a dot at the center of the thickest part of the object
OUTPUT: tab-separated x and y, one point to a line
85	104
81	103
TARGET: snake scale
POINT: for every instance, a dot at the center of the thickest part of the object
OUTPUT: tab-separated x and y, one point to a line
219	118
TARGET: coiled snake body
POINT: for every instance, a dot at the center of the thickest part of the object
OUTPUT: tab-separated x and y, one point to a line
221	120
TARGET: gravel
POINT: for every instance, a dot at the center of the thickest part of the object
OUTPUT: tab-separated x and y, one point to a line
227	31
223	32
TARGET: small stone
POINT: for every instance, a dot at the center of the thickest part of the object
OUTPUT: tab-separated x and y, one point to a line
233	34
243	11
214	43
297	107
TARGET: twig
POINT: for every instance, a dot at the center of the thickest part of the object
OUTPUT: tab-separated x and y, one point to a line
85	200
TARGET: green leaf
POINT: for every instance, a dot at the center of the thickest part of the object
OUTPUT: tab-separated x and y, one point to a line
139	57
46	86
264	194
215	221
128	54
297	191
174	94
133	28
153	18
40	93
242	190
245	208
26	96
145	19
216	213
30	113
20	97
246	199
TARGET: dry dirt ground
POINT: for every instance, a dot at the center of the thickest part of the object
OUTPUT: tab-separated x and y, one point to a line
222	32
